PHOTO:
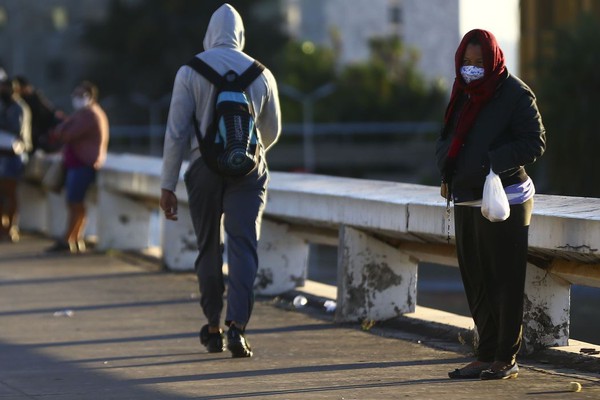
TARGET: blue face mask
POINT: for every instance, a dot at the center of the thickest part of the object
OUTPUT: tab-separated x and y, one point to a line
471	73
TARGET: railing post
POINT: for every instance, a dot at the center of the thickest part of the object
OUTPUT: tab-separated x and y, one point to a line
375	280
282	259
33	208
546	312
56	214
123	223
178	241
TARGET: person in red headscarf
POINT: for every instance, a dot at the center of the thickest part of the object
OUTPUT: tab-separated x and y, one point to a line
491	123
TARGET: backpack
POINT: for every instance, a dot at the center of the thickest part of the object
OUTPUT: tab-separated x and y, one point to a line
231	146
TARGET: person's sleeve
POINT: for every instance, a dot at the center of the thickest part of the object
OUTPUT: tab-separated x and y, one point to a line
441	150
179	130
530	137
26	127
269	121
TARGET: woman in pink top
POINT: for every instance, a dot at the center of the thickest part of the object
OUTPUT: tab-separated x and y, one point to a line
85	137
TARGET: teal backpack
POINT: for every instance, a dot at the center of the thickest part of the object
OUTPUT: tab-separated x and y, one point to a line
230	146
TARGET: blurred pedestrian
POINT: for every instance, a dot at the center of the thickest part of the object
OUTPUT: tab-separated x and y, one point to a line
85	137
492	122
15	124
240	200
44	115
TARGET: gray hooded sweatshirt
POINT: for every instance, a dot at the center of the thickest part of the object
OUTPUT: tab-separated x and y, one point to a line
194	95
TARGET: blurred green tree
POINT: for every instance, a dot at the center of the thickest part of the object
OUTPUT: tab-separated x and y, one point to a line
140	45
386	87
569	95
305	68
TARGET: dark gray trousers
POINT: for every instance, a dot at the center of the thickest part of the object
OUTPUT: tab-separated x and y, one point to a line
492	257
239	204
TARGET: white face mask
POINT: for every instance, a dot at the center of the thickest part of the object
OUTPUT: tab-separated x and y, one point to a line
471	73
80	101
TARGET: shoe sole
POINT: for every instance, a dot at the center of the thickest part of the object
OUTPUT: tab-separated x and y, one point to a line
464	377
467	373
215	350
213	342
511	376
239	351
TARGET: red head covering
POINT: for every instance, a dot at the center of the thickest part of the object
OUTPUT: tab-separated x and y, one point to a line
480	91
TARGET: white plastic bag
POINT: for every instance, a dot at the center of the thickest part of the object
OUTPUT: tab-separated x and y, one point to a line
494	204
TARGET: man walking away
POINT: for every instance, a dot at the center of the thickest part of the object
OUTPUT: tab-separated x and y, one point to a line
211	195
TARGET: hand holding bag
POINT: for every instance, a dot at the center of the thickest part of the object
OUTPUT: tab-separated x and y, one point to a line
494	204
444	192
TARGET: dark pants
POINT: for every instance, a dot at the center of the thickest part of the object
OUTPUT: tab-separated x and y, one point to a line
240	201
493	258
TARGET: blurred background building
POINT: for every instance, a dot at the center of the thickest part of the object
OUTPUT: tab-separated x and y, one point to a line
42	39
431	27
45	40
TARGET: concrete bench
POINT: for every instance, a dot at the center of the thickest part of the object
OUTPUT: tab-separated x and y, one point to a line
384	229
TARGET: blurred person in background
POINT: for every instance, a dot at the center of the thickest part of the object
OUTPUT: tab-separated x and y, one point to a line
84	136
15	121
44	116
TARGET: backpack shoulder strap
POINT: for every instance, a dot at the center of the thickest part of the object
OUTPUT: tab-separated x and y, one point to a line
213	77
249	75
206	71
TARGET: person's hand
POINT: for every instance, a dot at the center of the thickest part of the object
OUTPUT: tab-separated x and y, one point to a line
168	203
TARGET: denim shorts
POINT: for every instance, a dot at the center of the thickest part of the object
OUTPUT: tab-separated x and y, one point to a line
11	167
77	183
